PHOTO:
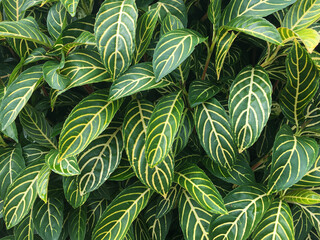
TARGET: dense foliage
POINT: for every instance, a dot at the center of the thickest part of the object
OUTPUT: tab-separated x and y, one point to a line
159	119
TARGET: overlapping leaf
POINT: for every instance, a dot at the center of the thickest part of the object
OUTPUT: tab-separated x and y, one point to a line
121	212
86	121
15	9
246	206
100	158
21	195
57	20
163	127
72	192
43	182
71	6
313	213
37	127
115	29
200	187
169	23
292	158
312	177
48	217
123	172
277	223
302	225
303	82
165	205
135	125
256	27
95	209
51	73
194	220
249	105
139	77
77	223
25	229
34	152
260	8
172	49
201	91
214	132
18	94
303	196
11	164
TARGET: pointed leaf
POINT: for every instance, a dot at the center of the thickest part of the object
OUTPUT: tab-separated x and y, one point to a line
100	158
34	152
249	105
135	125
15	9
200	187
292	157
246	206
21	195
303	82
312	177
48	217
121	212
277	223
43	182
169	23
57	20
72	192
139	77
18	94
214	13
172	49
256	27
165	205
11	164
201	91
115	29
303	196
302	225
36	127
214	132
71	6
77	223
163	127
194	220
85	122
313	214
52	76
65	167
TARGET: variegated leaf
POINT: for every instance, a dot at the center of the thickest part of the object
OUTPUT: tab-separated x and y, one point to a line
95	209
57	20
201	91
72	192
313	214
169	23
25	229
34	152
77	223
71	6
312	177
302	225
15	9
43	182
165	205
303	196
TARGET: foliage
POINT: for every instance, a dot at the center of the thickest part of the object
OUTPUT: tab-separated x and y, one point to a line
159	119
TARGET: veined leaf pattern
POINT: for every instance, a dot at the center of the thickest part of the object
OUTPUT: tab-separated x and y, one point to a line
72	192
312	211
86	121
163	127
312	177
292	158
201	91
43	182
18	94
71	6
165	205
214	132
121	212
303	196
115	29
249	105
77	223
57	20
25	229
302	225
135	125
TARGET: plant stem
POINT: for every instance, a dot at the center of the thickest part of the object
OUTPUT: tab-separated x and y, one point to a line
261	161
208	60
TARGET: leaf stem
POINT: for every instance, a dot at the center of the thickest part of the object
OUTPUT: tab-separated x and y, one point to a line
210	51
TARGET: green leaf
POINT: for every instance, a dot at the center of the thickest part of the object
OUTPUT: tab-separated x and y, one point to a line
214	132
140	229
11	164
214	14
43	182
303	196
77	223
65	167
194	220
71	6
145	28
169	23
312	177
72	192
52	76
249	105
16	9
175	7
165	205
302	84
85	122
246	206
158	228
256	27
137	78
121	212
313	214
115	30
36	55
48	217
257	8
310	38
201	91
123	172
34	152
163	127
18	94
302	225
182	137
292	158
198	184
25	229
302	14
172	49
57	20
277	223
240	174
36	127
85	38
135	125
223	45
23	30
95	209
21	195
100	158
